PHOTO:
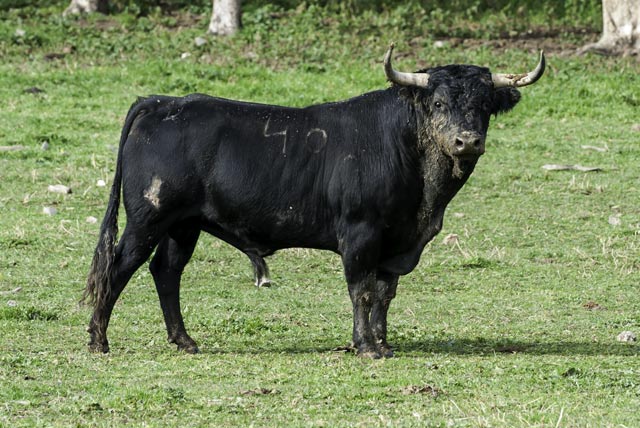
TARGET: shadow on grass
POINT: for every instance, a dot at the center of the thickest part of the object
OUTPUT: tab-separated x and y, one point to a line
478	346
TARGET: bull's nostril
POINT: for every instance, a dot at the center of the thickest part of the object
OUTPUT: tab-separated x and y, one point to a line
468	145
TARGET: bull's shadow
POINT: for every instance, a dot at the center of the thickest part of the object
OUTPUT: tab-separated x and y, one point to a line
458	346
480	346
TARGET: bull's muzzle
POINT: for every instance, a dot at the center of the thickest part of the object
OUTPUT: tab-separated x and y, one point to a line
468	144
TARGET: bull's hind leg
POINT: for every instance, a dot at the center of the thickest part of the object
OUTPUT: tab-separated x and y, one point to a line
173	254
134	248
386	286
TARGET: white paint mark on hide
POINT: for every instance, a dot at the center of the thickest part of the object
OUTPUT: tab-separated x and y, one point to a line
152	194
268	134
317	137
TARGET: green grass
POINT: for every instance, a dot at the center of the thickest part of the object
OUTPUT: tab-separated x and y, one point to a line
493	332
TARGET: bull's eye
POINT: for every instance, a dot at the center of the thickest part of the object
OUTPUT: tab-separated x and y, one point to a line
437	104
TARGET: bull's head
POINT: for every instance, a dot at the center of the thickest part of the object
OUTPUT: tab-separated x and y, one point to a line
458	101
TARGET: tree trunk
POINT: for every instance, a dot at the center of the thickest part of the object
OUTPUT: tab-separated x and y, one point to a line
225	18
620	29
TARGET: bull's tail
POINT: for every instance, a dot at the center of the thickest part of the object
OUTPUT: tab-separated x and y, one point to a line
98	288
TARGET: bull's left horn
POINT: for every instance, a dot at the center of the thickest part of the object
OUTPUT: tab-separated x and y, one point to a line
400	78
517	80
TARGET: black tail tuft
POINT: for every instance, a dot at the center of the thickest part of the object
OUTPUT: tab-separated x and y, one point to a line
98	287
99	281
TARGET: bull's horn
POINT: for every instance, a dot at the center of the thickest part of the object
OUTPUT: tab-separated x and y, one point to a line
517	80
400	78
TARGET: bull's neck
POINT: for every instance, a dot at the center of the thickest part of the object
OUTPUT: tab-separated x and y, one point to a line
442	177
440	182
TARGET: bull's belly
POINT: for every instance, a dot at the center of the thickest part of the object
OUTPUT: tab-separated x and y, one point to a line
264	236
265	232
402	263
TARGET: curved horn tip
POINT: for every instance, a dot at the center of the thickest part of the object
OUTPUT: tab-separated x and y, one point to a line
388	70
501	80
539	70
401	78
387	55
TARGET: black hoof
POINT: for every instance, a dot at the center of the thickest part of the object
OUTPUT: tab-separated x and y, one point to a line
185	344
99	347
369	353
386	351
190	349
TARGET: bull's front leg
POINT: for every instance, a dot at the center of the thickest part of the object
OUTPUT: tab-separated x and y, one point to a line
386	285
359	255
362	297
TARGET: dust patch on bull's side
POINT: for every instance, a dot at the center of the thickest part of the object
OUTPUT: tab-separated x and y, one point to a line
152	194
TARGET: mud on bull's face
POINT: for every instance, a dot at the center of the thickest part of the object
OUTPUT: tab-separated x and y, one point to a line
455	103
458	104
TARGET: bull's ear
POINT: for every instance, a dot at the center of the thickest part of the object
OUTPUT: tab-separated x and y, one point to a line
505	99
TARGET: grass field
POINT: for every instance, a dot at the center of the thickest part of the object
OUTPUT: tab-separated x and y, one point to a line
515	325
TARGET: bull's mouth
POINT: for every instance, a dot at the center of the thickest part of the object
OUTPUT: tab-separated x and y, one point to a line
466	157
463	164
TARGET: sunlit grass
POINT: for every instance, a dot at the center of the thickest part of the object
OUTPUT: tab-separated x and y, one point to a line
515	325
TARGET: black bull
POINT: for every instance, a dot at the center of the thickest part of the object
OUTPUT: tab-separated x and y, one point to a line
368	178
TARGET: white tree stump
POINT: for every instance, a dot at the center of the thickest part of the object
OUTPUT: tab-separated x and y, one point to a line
620	29
225	18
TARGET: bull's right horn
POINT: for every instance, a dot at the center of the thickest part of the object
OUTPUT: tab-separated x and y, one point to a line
518	80
401	78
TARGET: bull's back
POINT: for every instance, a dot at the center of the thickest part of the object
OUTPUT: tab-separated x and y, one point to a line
243	168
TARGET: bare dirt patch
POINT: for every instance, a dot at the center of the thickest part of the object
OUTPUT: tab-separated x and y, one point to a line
562	42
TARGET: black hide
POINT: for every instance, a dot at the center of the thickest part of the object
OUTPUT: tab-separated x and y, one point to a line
368	178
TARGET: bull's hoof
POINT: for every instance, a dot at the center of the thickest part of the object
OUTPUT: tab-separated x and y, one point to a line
369	353
386	351
263	282
189	349
99	347
185	343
